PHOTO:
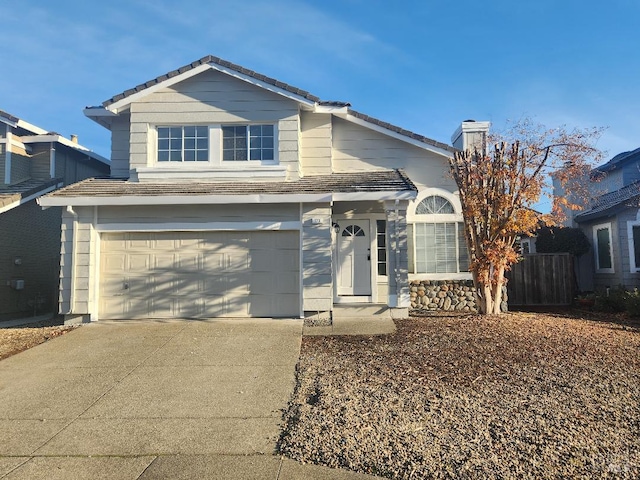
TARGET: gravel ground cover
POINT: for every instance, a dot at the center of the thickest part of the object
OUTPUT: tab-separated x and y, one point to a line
512	396
15	340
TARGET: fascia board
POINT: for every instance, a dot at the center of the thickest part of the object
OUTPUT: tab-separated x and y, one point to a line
396	135
263	85
59	201
367	196
116	107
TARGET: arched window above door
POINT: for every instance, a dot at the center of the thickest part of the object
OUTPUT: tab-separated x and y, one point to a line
353	231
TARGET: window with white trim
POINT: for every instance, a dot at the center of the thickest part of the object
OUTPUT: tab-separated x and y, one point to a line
218	144
634	245
183	144
247	142
603	248
438	246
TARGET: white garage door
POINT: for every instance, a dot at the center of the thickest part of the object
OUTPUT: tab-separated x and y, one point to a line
199	275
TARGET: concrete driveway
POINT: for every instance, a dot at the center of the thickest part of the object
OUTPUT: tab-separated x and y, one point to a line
183	399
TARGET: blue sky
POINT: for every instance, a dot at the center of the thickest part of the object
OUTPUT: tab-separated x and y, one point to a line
423	65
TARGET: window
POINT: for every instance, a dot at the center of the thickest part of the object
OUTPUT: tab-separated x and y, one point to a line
525	247
434	204
183	144
437	243
381	245
247	142
633	229
603	251
440	248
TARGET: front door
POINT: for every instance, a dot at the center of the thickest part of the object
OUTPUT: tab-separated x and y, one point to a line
354	258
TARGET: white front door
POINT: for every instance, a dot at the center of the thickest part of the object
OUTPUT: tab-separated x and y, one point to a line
354	258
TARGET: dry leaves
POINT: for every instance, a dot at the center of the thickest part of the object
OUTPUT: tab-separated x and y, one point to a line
517	395
15	340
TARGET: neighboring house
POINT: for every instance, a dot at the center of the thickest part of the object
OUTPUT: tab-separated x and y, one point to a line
34	162
612	222
234	194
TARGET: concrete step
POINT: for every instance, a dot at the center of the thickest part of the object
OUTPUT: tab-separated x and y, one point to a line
355	310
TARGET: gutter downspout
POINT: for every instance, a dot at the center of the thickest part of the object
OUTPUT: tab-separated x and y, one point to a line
74	242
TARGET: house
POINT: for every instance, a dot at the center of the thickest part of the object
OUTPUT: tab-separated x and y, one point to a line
34	162
235	194
612	222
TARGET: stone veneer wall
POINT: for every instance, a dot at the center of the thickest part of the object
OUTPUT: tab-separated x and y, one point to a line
443	295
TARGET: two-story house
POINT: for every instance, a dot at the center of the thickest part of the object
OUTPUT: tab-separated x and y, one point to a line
612	222
33	162
234	194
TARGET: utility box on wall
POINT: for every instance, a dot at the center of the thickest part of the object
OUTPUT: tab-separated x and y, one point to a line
17	284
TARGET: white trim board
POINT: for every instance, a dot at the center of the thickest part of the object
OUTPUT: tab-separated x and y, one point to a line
222	199
197	226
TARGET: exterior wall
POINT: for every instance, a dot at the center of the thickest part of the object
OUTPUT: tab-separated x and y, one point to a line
40	159
434	295
33	236
213	98
20	168
317	258
630	173
609	182
315	143
3	156
357	148
120	146
628	279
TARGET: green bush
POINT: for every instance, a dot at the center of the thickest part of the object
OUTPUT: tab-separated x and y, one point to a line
633	303
615	301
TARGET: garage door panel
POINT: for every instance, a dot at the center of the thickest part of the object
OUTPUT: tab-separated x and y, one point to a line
199	274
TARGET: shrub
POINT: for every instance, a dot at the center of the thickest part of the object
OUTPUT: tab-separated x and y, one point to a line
633	303
615	301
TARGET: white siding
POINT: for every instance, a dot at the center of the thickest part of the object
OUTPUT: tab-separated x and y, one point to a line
357	148
315	143
316	258
120	146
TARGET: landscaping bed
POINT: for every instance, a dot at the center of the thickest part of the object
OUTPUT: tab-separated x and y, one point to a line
512	396
17	339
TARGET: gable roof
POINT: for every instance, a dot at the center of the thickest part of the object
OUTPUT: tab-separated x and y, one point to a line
380	185
40	135
604	205
12	196
111	106
619	160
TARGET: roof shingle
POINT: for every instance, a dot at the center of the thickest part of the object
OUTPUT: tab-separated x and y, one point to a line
377	181
627	196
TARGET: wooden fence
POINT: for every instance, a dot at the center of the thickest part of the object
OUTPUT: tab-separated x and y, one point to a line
542	279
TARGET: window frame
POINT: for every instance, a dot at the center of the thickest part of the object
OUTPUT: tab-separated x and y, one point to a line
596	248
215	147
380	248
633	266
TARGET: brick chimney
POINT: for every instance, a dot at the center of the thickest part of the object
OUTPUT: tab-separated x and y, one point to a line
470	134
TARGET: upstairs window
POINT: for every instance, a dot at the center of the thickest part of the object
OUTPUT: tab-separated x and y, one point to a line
434	204
183	144
247	143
